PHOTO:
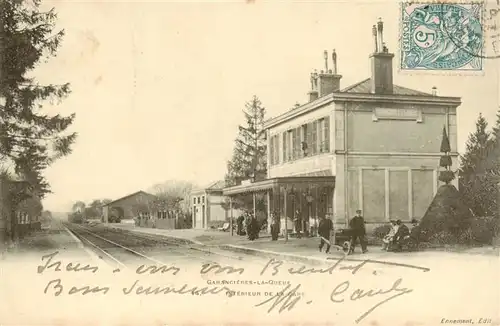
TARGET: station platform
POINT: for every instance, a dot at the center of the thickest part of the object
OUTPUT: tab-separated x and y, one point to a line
297	249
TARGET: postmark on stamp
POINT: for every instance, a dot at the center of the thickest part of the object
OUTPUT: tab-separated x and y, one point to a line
442	37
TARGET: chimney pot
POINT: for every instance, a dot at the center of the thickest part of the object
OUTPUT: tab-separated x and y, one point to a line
375	38
325	54
334	58
380	35
434	91
328	81
381	66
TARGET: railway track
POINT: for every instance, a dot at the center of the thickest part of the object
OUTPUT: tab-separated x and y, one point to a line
128	250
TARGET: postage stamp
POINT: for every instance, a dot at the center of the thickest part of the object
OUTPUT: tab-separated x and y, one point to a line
441	37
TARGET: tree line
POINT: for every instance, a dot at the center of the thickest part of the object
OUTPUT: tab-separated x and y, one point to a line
31	139
479	172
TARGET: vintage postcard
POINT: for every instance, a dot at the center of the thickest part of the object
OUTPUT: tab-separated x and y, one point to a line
249	162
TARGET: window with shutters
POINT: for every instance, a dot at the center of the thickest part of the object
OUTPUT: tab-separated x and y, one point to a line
278	160
314	139
321	135
298	144
289	144
303	145
276	150
295	142
327	134
309	138
271	150
285	147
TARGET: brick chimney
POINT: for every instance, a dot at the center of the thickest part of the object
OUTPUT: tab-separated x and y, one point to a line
381	62
327	81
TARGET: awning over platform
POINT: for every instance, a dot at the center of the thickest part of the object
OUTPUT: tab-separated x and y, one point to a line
289	183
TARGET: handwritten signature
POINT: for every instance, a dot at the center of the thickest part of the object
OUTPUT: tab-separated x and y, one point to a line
287	298
359	294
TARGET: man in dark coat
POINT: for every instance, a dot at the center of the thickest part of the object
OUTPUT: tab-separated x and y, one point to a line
324	228
275	226
252	227
239	222
358	231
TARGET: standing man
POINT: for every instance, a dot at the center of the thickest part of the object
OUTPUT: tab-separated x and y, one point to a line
239	221
324	228
275	226
357	225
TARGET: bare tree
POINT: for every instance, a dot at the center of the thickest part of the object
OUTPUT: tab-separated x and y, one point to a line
173	194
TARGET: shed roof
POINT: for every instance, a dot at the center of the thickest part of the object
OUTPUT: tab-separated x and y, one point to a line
128	196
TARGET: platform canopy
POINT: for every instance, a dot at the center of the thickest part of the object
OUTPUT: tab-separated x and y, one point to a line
294	183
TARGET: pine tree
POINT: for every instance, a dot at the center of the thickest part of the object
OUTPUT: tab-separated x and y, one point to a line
445	161
249	155
249	159
29	139
475	182
496	129
476	149
493	160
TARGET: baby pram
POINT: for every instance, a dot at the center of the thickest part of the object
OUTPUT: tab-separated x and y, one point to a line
342	239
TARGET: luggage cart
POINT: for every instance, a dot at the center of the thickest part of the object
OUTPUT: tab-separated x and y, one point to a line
343	239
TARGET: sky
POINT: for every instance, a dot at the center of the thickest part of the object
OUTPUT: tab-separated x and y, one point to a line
158	88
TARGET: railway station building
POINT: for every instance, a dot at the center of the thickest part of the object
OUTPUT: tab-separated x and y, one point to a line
141	208
209	207
372	146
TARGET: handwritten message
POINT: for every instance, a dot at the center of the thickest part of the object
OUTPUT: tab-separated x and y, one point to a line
289	295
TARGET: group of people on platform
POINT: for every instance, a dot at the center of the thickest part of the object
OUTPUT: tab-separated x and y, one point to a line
398	235
248	224
301	226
